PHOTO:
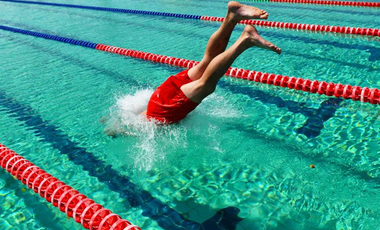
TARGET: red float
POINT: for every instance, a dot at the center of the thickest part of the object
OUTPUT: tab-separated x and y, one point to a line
85	211
322	28
329	89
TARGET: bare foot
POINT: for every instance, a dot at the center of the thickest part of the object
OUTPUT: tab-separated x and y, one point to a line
237	12
143	113
255	39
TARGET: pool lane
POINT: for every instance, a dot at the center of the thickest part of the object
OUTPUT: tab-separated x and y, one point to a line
332	65
311	128
372	32
280	12
316	117
331	89
373	50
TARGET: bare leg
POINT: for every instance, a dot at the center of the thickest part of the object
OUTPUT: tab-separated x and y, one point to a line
219	40
201	88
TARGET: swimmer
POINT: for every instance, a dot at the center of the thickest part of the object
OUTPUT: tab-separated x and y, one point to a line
182	93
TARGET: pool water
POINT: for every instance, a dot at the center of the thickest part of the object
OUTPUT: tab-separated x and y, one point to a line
241	160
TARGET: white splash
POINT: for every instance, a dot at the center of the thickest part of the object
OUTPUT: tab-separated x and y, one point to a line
153	145
153	142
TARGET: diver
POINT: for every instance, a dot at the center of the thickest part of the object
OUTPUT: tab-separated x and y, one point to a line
182	93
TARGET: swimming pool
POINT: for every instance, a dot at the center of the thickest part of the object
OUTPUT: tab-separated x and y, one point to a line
242	159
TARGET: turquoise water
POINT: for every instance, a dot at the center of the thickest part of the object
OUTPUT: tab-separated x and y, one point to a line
248	146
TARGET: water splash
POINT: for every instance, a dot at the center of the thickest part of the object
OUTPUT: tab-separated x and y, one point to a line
153	142
155	145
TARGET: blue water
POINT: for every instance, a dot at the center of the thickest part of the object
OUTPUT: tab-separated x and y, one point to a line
239	161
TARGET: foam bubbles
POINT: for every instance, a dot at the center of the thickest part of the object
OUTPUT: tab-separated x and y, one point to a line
218	106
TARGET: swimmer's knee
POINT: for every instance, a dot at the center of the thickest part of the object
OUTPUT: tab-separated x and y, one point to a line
197	71
208	88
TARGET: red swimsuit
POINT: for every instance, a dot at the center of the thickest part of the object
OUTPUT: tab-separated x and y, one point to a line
168	104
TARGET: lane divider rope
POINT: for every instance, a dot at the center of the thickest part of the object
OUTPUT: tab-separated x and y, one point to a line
333	3
83	210
355	93
308	27
285	25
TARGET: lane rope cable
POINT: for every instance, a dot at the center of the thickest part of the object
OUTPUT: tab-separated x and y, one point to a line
355	93
285	25
83	210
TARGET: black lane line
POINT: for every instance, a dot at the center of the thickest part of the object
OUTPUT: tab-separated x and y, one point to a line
316	117
225	219
315	123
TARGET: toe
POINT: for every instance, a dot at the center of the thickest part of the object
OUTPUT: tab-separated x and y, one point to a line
264	16
275	49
